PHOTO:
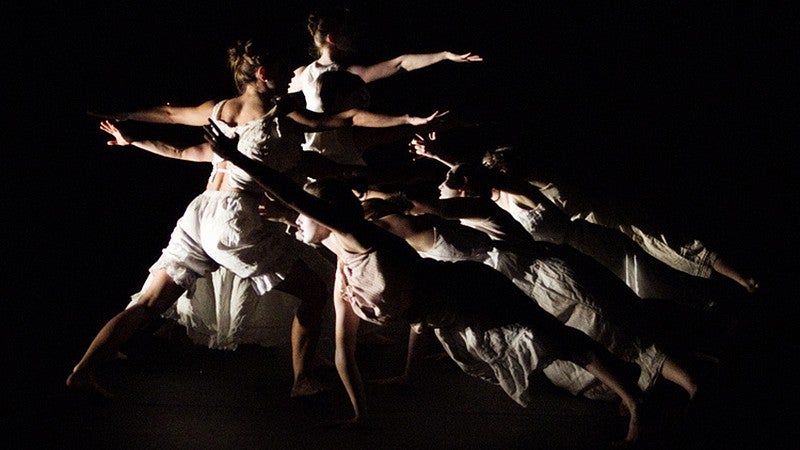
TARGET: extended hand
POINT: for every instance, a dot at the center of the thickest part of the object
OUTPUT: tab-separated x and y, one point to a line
421	146
466	57
416	121
222	145
119	137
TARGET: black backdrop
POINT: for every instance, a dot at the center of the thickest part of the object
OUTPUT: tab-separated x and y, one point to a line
689	108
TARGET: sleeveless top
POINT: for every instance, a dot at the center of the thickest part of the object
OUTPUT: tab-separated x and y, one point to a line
337	144
502	226
380	284
308	81
543	223
273	141
458	243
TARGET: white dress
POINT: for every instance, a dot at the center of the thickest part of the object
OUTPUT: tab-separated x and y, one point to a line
229	258
644	274
488	326
685	254
567	289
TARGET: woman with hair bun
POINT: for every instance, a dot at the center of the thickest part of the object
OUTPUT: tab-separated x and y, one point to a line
222	226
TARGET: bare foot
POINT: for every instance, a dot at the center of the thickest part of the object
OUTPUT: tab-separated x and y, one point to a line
307	387
83	382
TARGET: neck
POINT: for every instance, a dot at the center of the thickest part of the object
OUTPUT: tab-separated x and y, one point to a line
257	91
325	57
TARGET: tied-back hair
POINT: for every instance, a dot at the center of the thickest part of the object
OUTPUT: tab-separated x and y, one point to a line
336	21
246	56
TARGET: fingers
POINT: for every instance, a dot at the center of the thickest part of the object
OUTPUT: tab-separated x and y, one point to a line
107	126
469	57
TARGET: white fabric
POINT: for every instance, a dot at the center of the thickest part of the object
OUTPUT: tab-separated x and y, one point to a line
597	309
506	356
274	141
644	274
228	257
338	144
378	284
224	228
690	256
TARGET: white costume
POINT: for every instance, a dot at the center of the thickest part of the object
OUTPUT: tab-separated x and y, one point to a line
487	325
687	255
569	291
337	145
645	275
224	229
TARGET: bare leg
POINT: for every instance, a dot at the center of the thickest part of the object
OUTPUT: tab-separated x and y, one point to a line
607	368
306	326
159	295
609	377
723	268
675	373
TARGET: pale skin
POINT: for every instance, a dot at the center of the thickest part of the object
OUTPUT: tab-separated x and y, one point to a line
164	292
526	194
329	48
344	233
422	147
326	45
251	104
419	233
457	204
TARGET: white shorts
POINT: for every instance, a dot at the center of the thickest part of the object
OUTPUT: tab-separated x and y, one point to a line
225	229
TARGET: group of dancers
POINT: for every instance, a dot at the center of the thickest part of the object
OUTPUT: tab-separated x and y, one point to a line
512	275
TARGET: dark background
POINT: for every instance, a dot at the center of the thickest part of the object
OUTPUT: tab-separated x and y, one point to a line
685	109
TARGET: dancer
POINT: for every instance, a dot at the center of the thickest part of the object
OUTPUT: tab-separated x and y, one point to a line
576	291
688	255
222	226
381	278
645	275
333	33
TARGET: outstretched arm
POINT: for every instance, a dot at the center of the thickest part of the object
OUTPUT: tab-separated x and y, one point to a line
282	188
408	63
180	115
357	117
425	147
198	153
